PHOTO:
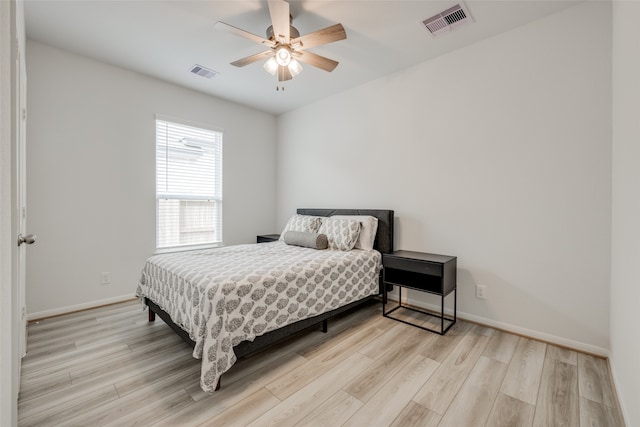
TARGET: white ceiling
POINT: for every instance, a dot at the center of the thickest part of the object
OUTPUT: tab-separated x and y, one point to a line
164	39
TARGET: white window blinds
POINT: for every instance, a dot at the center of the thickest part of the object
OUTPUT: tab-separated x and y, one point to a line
188	185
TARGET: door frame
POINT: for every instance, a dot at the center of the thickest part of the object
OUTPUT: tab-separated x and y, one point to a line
11	30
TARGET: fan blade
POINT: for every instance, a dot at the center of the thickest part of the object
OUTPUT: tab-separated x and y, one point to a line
279	11
316	60
284	73
330	34
253	58
245	34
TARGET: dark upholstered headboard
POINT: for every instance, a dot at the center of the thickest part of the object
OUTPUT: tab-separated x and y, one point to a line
384	236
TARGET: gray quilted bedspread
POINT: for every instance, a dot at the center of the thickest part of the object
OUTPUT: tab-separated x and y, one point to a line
227	295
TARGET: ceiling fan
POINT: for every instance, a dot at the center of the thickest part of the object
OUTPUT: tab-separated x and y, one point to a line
286	46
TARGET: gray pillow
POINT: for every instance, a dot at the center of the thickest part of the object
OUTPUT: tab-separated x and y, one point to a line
306	239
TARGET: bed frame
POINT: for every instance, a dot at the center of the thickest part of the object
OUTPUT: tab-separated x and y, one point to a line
383	243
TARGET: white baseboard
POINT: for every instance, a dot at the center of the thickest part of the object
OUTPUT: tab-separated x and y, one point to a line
623	409
78	307
552	339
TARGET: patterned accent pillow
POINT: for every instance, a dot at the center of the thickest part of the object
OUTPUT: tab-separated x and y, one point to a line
342	234
306	223
367	232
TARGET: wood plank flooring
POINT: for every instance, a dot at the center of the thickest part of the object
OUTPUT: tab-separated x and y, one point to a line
110	366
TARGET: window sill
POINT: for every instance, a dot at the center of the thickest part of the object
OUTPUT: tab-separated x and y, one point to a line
187	248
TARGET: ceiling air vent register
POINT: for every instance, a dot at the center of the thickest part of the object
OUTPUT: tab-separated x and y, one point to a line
203	71
448	20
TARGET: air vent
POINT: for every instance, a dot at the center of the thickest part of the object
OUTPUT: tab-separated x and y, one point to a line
203	71
448	20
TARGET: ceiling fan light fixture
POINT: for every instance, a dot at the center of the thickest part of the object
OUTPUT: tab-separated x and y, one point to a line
295	68
287	49
271	66
283	56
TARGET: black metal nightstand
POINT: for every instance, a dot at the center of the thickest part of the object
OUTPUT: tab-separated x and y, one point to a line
266	238
431	273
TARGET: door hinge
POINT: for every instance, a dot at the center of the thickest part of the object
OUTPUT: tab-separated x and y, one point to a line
24	114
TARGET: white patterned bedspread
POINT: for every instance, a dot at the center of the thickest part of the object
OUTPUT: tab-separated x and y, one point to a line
227	295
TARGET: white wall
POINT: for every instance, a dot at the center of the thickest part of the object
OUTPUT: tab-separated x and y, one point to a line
625	250
499	153
91	176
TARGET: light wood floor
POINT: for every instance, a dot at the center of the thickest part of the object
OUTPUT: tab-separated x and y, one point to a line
109	366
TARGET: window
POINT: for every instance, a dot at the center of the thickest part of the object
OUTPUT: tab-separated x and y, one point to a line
188	185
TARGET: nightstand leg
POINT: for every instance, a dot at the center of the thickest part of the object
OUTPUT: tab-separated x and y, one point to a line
442	315
455	303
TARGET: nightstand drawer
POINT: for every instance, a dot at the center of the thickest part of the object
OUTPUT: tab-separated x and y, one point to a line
417	266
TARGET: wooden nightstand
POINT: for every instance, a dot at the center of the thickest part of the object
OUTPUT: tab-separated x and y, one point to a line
430	273
266	238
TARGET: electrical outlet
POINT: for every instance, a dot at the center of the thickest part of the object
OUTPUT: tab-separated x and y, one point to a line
105	278
481	292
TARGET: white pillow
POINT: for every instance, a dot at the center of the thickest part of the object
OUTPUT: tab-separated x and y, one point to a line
342	234
367	231
305	223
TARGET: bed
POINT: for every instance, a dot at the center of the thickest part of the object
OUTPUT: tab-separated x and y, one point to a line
232	301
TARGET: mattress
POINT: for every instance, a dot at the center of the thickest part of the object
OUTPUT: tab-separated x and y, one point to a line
224	296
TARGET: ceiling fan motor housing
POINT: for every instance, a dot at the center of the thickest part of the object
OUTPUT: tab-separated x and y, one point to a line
294	32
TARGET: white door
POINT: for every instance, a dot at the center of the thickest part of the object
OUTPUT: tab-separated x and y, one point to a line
21	193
